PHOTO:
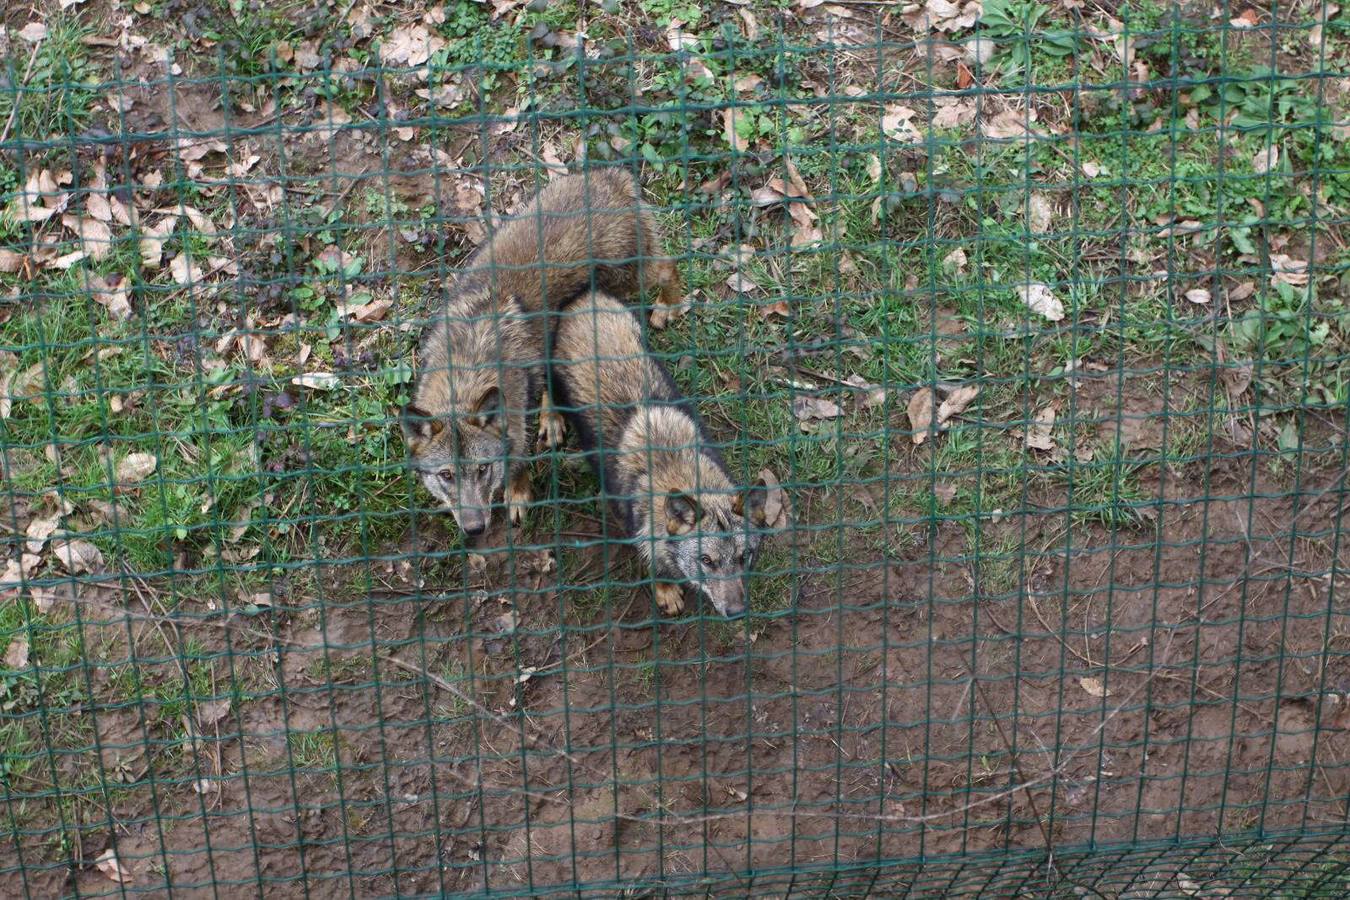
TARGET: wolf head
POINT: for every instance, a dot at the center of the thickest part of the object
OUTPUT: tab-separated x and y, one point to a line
461	459
712	540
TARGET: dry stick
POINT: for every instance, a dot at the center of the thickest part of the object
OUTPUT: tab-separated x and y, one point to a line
1055	634
28	71
1013	758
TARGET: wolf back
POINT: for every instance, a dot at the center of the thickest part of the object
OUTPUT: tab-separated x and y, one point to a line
663	478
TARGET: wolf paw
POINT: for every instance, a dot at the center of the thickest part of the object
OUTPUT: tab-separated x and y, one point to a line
660	317
670	599
518	499
552	428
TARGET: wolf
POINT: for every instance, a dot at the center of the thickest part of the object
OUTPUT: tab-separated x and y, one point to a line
663	478
480	367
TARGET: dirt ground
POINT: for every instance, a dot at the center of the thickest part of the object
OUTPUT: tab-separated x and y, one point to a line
1183	677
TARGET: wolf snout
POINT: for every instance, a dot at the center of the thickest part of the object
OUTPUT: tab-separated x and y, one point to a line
730	600
473	523
735	608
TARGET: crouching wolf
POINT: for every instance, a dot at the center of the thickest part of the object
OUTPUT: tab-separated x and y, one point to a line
665	482
480	366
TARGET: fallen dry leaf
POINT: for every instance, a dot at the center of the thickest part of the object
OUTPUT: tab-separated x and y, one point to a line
200	220
1198	295
33	32
98	207
44	599
941	15
1242	291
682	41
955	262
776	511
136	467
874	168
944	493
77	557
1248	19
1287	270
1266	159
108	864
411	45
1038	435
734	140
68	260
1011	123
184	270
896	124
209	714
10	261
746	84
794	193
372	311
1236	380
112	294
956	403
11	577
1094	686
16	655
749	25
715	185
920	412
39	530
1040	213
153	240
741	284
319	381
779	308
1040	299
813	409
953	114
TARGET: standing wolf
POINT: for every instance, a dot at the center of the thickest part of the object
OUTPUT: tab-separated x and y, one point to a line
665	482
480	366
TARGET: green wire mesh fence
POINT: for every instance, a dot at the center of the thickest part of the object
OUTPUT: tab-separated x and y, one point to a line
1037	320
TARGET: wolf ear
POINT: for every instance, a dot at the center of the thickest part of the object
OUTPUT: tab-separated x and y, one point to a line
682	514
487	409
419	426
752	507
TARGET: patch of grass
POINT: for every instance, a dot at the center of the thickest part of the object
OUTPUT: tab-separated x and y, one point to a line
313	752
57	90
341	670
249	33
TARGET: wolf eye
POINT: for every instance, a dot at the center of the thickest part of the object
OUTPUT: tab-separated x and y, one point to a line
706	560
446	474
483	470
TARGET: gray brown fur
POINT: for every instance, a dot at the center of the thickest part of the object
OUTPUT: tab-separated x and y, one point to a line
664	480
480	367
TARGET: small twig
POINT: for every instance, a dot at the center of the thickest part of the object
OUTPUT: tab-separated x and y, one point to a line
351	185
27	72
1013	759
1086	660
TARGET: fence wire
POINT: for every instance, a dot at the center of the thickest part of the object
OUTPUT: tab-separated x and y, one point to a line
1029	332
